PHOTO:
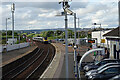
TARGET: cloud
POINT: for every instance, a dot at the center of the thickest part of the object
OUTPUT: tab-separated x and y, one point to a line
41	15
26	15
48	15
44	5
32	22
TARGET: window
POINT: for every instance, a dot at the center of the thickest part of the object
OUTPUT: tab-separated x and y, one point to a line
103	62
111	70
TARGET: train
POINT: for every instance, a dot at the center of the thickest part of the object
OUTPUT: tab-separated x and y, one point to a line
41	39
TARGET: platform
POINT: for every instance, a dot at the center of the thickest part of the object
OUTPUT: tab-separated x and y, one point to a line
57	67
15	54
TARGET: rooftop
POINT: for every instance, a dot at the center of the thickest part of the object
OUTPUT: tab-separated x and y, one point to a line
114	33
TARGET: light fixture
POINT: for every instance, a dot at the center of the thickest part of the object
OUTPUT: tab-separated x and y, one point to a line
69	11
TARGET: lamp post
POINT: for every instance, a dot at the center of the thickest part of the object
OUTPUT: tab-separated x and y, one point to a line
12	10
78	32
65	6
78	43
119	21
75	47
6	33
66	10
119	11
100	31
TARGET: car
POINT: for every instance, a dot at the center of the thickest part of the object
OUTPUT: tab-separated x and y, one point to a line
98	64
117	77
89	64
100	68
105	73
61	40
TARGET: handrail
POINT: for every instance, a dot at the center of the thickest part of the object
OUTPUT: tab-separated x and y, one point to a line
87	53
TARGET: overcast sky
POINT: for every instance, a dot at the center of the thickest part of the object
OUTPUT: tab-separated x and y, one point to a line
41	15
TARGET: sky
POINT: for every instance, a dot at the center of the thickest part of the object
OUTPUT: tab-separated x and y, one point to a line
42	14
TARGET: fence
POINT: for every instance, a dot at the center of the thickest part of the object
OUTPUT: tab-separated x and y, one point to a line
15	46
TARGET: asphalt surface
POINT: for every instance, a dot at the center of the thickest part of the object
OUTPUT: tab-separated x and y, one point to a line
71	74
70	67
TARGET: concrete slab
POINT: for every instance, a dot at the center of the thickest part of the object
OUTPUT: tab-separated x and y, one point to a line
70	67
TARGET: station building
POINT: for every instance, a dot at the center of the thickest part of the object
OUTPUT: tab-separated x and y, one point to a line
98	35
113	37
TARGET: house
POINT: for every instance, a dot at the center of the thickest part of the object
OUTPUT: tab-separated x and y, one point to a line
113	37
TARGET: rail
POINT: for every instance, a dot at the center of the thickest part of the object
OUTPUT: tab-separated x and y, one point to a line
19	65
28	77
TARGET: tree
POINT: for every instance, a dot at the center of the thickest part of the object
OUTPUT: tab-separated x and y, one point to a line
58	32
30	35
43	34
24	34
3	34
15	34
49	33
36	35
9	32
70	33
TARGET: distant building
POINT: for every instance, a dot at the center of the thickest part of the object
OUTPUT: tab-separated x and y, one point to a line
70	41
10	41
99	34
114	38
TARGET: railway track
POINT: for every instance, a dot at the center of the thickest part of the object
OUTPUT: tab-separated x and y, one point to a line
34	66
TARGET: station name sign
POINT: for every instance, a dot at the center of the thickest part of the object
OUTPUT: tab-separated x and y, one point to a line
102	40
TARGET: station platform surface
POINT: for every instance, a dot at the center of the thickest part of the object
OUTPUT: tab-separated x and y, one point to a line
61	70
70	67
71	63
13	55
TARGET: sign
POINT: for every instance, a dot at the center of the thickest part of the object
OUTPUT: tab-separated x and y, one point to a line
91	41
102	40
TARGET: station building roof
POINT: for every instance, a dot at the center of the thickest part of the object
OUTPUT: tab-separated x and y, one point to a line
114	34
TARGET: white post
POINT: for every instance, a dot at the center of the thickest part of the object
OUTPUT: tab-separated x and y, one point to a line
100	34
119	23
119	11
78	28
66	44
6	34
13	9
